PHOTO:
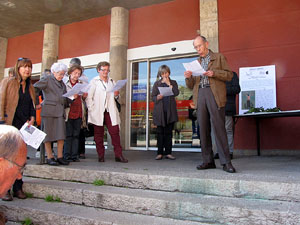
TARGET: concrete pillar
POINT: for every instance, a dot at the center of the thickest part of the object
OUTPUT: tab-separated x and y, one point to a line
50	45
3	49
209	22
118	56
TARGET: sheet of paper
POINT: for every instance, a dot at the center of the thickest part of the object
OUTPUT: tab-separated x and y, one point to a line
77	89
165	91
194	67
32	136
119	84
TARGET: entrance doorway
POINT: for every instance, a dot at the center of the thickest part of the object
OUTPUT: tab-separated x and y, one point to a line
142	129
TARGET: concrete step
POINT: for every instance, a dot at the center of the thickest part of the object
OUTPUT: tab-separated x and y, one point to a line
176	205
227	185
41	212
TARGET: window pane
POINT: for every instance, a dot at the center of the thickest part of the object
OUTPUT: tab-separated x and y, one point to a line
138	105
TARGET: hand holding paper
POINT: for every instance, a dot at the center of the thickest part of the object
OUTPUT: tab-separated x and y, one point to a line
165	91
194	67
119	84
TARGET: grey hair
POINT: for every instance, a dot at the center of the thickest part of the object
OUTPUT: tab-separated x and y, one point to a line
57	67
200	36
76	61
10	141
163	69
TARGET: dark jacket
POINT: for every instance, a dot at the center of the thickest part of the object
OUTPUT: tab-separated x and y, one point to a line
232	88
158	111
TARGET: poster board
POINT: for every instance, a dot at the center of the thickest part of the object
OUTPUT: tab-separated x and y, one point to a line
258	87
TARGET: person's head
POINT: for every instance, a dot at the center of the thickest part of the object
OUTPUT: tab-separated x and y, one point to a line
59	70
47	72
13	152
75	61
75	72
23	68
201	45
103	69
163	71
11	72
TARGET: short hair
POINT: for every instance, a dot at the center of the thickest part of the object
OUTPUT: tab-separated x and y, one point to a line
57	67
22	62
100	64
10	141
47	71
163	69
200	36
75	67
76	61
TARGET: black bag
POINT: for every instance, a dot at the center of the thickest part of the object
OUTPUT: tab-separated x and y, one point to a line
88	131
118	105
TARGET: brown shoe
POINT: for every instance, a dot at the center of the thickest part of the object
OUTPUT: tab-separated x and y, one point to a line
170	157
7	197
101	159
205	166
158	157
20	194
121	159
229	168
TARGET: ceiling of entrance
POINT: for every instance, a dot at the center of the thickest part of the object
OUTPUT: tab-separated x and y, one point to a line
18	17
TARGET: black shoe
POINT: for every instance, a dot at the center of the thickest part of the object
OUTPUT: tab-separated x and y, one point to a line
205	166
101	159
75	160
216	156
229	168
231	155
52	162
20	194
81	156
61	161
121	159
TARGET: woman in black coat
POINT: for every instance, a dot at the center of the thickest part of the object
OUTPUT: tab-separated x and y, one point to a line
164	112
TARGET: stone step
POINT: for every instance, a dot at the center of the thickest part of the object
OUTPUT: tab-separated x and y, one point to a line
229	186
41	212
176	205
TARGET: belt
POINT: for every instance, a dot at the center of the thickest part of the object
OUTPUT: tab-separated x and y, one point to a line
204	85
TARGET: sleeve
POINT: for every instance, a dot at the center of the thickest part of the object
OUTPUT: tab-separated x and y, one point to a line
155	92
233	86
90	97
224	72
190	82
175	88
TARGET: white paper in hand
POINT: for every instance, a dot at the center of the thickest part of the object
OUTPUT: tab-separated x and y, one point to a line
119	84
194	67
165	91
32	136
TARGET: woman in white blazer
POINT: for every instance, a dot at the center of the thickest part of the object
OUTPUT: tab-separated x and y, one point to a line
102	110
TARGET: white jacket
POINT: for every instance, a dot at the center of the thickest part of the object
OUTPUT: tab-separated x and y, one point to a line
96	102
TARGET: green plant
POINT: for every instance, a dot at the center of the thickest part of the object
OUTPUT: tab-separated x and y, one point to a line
98	182
261	109
27	221
50	198
29	195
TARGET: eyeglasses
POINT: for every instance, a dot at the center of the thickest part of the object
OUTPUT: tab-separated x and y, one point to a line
21	168
105	70
22	58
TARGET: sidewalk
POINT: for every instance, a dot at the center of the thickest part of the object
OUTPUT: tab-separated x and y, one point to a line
260	168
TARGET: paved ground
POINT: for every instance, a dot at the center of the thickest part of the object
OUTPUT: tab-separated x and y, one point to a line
261	168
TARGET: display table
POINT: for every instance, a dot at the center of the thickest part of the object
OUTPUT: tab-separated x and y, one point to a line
264	115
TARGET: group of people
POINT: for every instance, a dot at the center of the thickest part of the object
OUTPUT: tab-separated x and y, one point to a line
63	118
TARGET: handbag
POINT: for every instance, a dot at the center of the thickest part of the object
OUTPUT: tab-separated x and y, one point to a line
89	130
118	105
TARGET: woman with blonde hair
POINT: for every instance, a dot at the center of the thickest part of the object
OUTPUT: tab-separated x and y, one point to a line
17	107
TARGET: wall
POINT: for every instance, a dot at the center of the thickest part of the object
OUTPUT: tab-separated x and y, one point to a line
265	34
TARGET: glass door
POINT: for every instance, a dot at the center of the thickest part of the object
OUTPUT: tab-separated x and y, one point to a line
142	130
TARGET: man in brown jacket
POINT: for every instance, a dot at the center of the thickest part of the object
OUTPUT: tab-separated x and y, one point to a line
209	96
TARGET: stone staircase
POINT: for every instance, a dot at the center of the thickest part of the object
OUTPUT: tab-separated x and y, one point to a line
129	198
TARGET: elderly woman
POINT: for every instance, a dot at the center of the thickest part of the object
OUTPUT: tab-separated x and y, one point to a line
164	112
17	107
53	111
75	116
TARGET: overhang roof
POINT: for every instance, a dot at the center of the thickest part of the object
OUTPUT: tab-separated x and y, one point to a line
18	17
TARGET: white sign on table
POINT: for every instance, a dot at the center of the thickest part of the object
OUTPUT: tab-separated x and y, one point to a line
258	88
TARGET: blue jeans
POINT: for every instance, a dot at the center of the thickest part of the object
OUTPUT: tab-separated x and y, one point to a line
71	145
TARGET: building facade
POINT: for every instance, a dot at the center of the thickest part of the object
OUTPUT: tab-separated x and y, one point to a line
138	41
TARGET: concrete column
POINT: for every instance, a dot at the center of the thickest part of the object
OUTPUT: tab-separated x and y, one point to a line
50	45
3	49
209	22
118	56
